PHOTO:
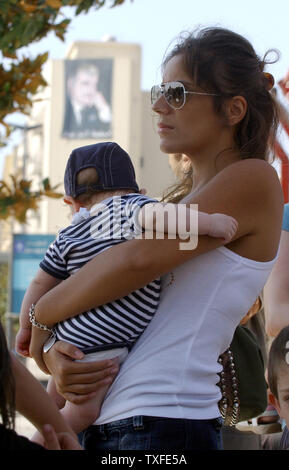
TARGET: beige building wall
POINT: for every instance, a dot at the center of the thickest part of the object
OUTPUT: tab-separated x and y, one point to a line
126	114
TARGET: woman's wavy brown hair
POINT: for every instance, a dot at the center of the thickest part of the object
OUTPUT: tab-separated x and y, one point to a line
223	62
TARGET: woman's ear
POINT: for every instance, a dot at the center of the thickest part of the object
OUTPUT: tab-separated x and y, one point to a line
236	109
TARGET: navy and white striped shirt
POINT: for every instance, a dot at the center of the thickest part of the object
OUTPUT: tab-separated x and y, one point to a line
106	224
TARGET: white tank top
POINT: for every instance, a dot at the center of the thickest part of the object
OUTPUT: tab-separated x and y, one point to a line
172	369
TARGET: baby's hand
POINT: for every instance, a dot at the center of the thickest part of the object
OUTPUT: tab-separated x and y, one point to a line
23	341
222	226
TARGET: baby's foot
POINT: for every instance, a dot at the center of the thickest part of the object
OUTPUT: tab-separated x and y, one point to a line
222	226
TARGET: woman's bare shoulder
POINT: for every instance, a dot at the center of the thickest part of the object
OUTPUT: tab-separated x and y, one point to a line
252	169
257	180
255	197
248	190
249	179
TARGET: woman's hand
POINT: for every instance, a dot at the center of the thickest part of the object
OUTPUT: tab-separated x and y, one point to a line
38	338
78	382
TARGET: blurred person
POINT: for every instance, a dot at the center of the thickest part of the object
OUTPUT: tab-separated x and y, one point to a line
284	85
278	379
181	166
20	391
276	291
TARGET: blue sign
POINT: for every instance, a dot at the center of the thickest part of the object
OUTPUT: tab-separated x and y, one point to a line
28	251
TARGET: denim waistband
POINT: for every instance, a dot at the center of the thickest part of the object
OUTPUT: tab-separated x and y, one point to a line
138	422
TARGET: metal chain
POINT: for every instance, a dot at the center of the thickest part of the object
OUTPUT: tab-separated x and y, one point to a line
35	323
230	416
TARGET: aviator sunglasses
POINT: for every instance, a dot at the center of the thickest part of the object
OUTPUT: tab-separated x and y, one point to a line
174	94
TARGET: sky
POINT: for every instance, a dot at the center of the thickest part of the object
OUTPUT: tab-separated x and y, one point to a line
154	24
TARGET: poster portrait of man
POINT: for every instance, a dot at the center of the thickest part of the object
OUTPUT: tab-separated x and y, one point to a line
88	90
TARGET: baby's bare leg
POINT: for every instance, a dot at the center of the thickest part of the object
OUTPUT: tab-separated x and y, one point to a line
56	397
79	417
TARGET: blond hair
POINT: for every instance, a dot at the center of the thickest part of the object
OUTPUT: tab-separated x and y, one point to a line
88	177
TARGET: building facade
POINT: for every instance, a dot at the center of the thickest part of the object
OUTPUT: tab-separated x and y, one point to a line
102	75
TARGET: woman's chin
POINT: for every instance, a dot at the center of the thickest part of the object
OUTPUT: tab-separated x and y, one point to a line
168	147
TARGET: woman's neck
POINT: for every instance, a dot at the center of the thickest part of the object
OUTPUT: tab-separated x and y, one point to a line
203	170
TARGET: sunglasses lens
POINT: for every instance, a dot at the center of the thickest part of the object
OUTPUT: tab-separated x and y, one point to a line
174	93
156	93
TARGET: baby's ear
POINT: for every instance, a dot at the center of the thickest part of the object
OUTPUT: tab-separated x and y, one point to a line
68	200
73	203
273	401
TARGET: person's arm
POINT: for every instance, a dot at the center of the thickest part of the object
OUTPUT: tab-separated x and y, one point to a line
181	220
41	284
33	402
128	266
276	291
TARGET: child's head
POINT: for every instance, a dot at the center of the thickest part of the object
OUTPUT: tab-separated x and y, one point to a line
278	374
96	171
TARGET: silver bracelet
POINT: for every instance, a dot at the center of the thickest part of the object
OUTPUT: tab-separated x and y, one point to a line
35	323
49	342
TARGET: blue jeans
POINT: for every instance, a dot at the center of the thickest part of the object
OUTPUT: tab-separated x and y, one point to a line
153	433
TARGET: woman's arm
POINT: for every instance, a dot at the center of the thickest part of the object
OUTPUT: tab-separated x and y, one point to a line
256	203
183	221
276	291
128	266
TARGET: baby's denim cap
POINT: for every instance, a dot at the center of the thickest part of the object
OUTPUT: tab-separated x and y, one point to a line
113	165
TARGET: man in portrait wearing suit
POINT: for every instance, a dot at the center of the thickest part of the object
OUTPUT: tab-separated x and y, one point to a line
87	113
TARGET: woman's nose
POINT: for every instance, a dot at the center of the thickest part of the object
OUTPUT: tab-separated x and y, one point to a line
161	106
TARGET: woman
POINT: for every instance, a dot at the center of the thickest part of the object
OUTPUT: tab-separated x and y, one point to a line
215	107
